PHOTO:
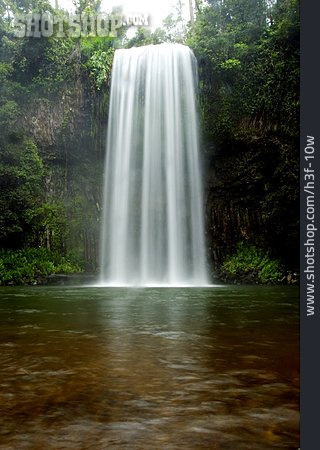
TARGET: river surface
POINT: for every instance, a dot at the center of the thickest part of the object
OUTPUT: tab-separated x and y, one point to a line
112	368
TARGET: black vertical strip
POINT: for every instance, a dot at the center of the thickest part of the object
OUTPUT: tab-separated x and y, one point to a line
309	232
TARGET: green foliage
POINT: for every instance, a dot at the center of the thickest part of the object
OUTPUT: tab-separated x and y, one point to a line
8	113
21	181
248	259
59	64
49	221
248	55
262	44
99	66
231	63
29	265
144	36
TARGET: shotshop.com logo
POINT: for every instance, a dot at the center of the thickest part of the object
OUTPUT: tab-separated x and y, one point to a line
74	25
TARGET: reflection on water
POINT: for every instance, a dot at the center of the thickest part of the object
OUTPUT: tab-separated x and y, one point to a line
90	368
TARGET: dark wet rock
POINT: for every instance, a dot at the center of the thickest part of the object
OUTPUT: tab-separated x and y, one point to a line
252	277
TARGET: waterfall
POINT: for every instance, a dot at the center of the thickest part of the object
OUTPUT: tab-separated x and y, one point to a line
152	226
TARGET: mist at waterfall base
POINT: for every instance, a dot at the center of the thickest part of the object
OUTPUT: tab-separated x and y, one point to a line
152	225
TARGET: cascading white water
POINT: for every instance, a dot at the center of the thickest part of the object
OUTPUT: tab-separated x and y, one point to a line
152	226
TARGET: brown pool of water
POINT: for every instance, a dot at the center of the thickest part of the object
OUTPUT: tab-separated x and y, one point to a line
102	368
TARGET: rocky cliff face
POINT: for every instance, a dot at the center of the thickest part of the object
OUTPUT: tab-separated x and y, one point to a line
248	198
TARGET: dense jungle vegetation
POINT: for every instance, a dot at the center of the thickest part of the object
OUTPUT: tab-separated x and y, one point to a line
53	117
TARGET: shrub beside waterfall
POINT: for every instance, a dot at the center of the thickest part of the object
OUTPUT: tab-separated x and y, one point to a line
253	264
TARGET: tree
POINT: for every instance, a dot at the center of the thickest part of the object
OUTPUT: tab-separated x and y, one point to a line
21	180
